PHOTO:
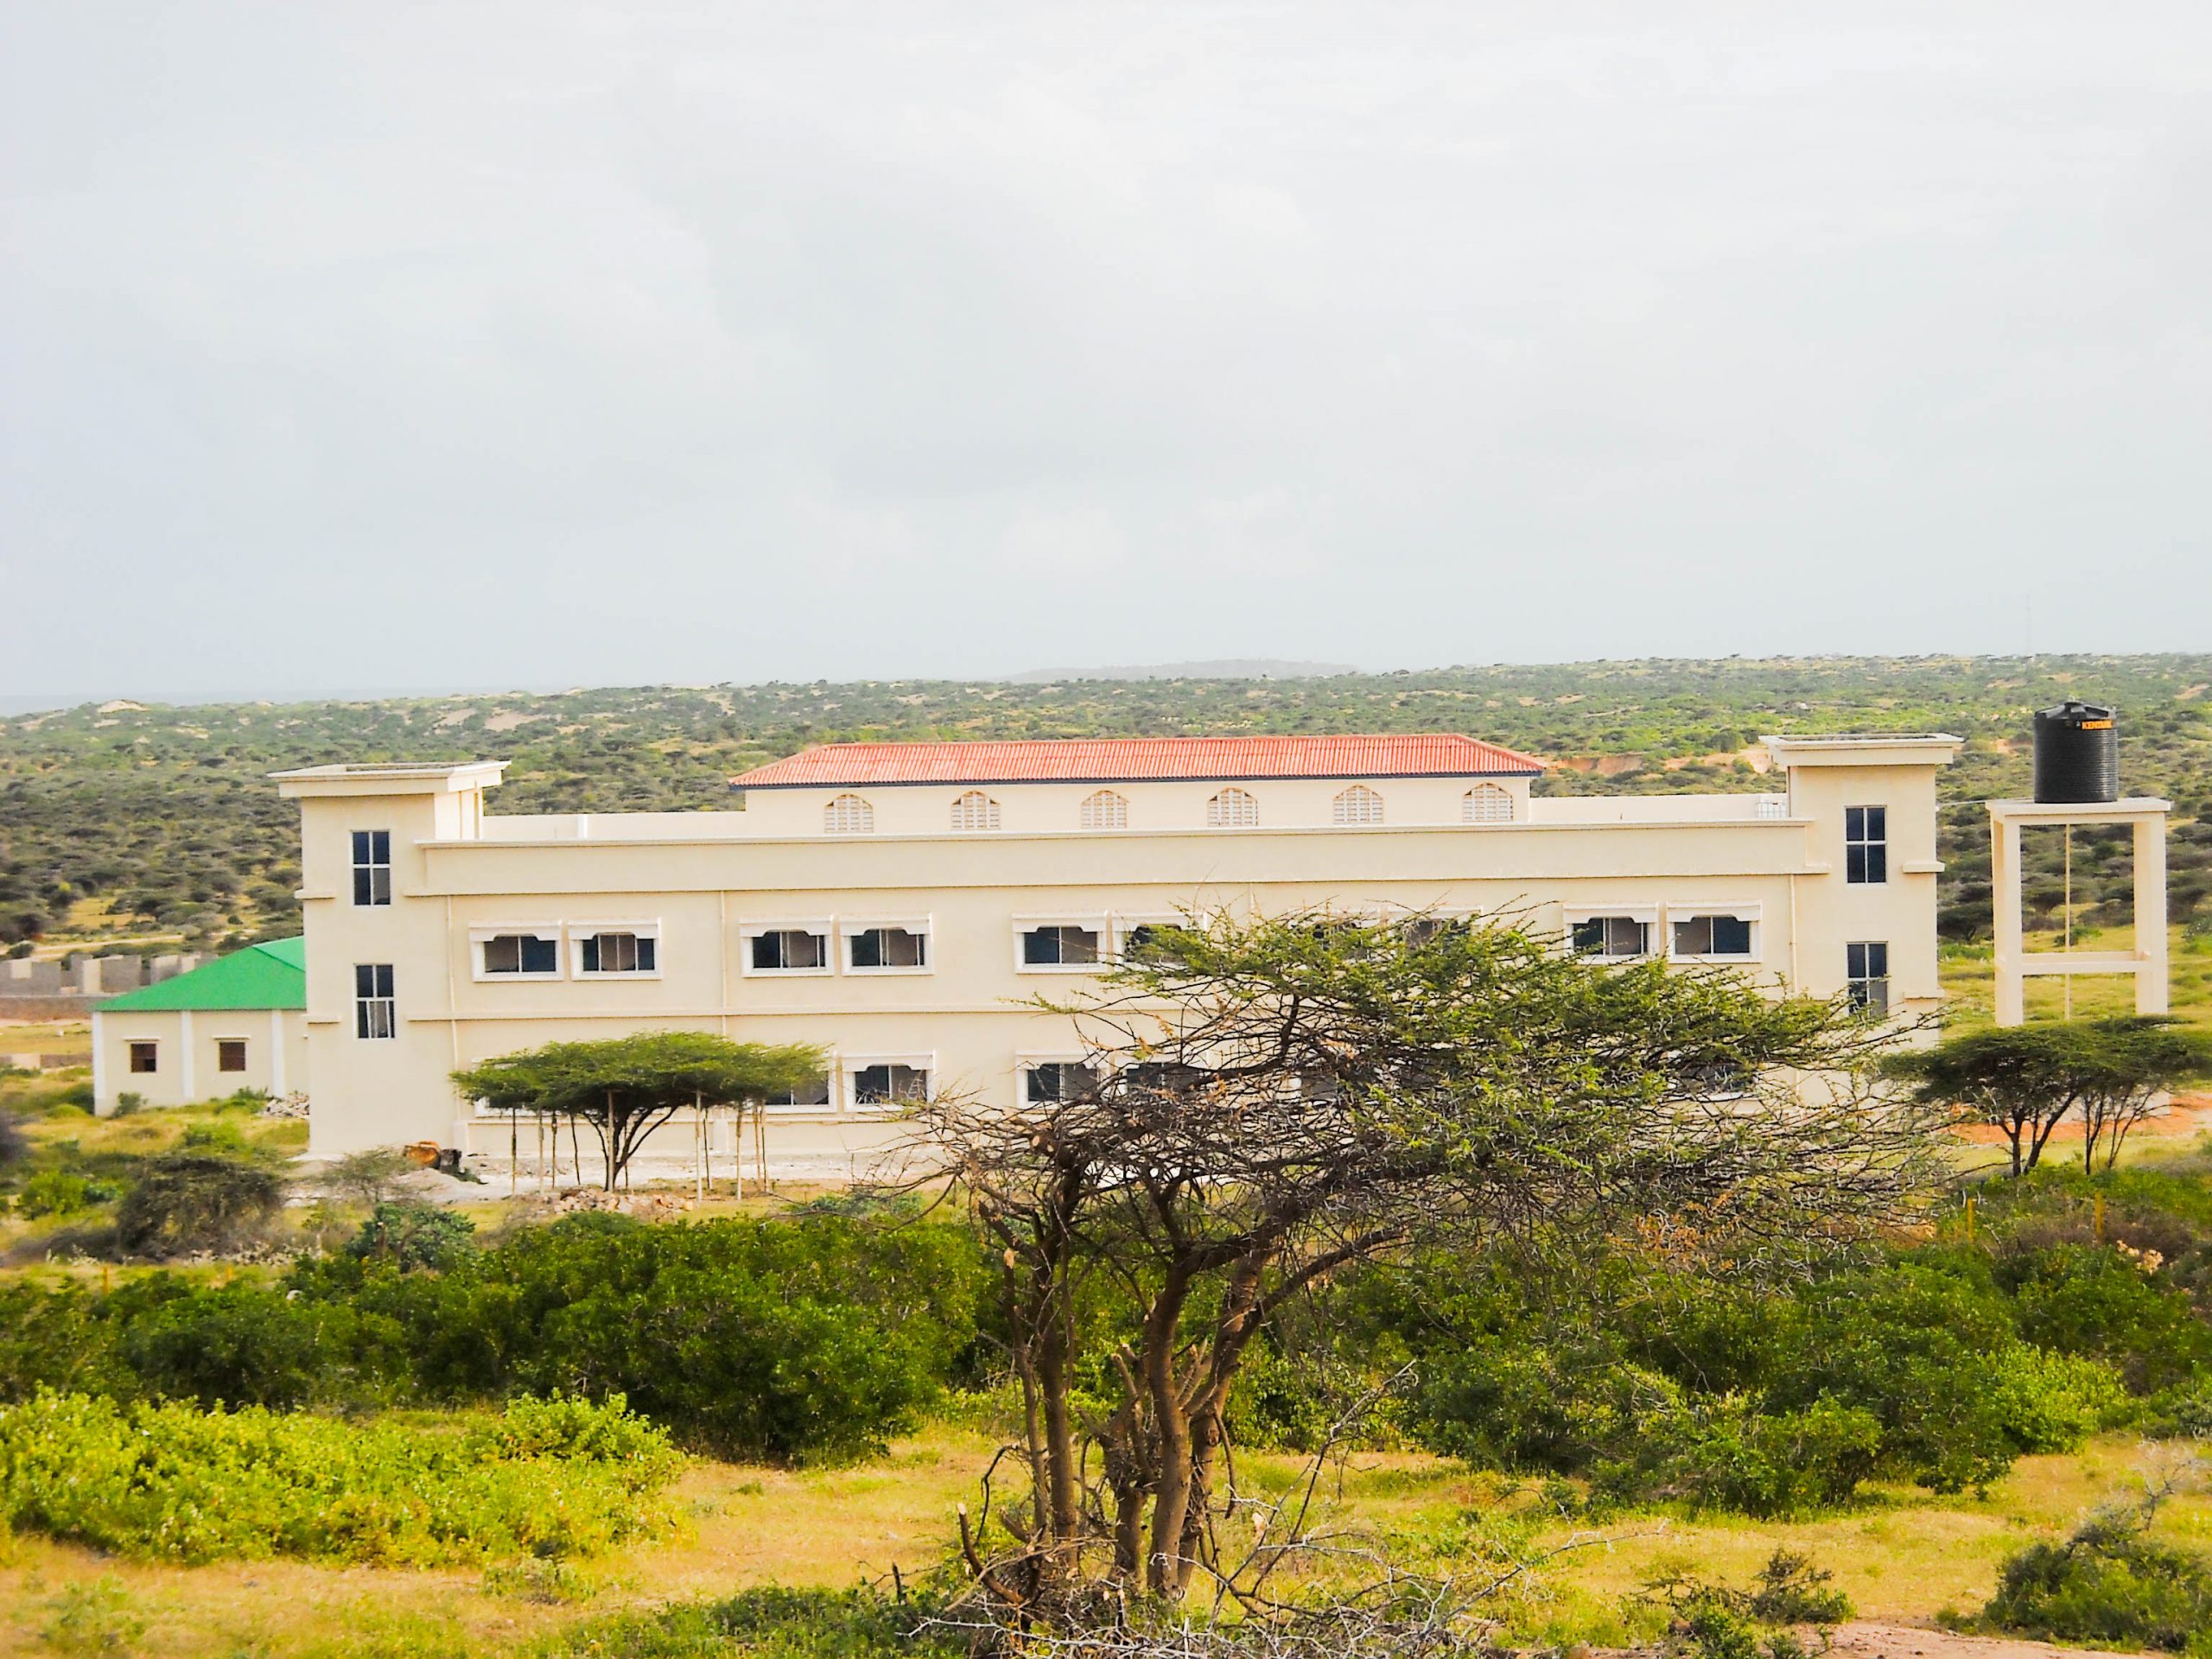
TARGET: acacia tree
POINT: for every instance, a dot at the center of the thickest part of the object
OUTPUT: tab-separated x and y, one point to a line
1268	1101
626	1087
2027	1079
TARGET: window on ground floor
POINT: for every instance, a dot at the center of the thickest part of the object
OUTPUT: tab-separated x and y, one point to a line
1866	975
618	953
1057	945
1617	937
230	1054
145	1057
874	949
516	955
811	1096
1049	1082
1712	935
890	1083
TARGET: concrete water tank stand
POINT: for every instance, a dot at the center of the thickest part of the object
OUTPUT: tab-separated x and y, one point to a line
2148	961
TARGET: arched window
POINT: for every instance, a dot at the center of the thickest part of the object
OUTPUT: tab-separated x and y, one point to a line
849	815
1358	804
975	811
1105	810
1486	803
1232	810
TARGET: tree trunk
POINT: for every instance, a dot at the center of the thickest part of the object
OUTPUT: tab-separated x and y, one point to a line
1171	1498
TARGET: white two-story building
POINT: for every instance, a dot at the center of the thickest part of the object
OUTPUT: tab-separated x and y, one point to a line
899	904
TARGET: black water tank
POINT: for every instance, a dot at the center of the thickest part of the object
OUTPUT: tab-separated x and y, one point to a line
2077	753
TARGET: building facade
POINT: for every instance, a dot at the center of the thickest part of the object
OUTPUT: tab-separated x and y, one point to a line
897	904
236	1022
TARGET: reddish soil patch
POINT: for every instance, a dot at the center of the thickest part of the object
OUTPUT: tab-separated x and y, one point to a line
1867	1640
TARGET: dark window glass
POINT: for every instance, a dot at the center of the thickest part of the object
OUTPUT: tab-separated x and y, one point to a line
1046	946
372	867
1865	845
788	948
375	1015
1612	936
230	1054
1732	936
1057	1080
1866	975
888	947
813	1092
145	1056
879	1085
619	953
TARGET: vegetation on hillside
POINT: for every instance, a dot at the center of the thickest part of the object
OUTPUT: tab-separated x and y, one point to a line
118	821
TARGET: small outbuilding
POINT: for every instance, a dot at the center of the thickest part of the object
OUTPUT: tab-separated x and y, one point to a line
238	1022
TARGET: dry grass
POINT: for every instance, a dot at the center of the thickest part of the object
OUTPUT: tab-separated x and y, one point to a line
1902	1557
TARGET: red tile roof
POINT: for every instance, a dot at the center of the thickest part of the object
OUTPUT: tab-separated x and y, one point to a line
1129	760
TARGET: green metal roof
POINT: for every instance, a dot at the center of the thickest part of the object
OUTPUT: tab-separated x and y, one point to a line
271	976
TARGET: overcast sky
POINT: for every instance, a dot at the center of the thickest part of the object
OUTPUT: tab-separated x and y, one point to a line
383	346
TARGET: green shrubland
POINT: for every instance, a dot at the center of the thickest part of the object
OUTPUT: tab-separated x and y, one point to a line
173	1482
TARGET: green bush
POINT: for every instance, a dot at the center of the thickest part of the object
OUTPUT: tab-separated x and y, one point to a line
2081	1298
247	1345
173	1483
409	1233
2048	1402
57	1192
2110	1585
1727	1455
189	1201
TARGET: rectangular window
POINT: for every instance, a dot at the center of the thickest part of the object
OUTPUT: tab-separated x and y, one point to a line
1866	975
875	949
521	954
812	1096
1865	845
788	951
230	1054
1712	936
145	1057
372	867
1612	936
375	1015
1060	945
1049	1082
619	953
890	1084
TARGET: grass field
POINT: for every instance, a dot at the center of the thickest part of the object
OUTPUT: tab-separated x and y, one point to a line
1901	1556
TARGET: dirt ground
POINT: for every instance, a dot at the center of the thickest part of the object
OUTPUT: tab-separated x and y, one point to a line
1870	1641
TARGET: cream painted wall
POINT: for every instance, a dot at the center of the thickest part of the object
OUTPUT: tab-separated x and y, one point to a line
276	1054
964	1017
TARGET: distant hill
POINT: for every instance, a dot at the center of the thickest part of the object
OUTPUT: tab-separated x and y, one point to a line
1227	668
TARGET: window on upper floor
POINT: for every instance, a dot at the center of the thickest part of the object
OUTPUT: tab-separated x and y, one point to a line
1055	945
519	956
1866	845
975	811
145	1057
1049	1083
787	951
887	950
1232	808
1866	975
1426	930
230	1054
1486	803
890	1083
375	1013
618	952
1358	804
1104	811
372	867
1618	936
849	815
1712	935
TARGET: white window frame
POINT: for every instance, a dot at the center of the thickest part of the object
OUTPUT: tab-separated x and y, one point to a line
131	1043
824	926
365	1005
371	867
1488	791
1103	809
1098	922
1866	845
1747	913
848	927
1851	981
1648	914
245	1052
849	1065
974	811
826	1108
867	814
480	935
1218	808
579	931
1023	1060
1355	805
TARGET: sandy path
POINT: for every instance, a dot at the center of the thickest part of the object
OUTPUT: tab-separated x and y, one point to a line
1861	1640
